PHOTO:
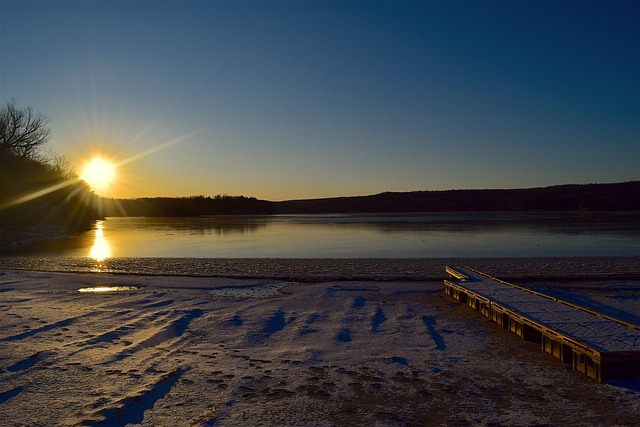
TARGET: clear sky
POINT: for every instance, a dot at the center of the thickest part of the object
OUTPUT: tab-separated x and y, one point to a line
287	100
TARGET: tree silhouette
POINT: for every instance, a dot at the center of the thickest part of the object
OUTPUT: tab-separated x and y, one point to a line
37	189
23	131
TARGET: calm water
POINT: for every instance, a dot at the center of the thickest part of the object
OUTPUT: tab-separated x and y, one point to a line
362	236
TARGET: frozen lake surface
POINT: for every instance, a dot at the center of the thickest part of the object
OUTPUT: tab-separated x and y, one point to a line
425	235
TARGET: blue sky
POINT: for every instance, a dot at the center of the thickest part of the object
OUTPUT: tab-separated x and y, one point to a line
284	100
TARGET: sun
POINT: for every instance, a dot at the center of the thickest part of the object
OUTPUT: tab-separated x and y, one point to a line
98	173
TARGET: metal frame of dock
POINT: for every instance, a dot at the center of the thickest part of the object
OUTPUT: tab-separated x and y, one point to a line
599	346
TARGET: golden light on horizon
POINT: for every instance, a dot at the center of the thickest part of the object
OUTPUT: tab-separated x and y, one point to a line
99	173
105	165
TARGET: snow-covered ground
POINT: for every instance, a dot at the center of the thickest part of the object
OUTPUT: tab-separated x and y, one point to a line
181	351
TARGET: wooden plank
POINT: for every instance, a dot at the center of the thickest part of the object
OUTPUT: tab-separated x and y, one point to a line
569	332
570	304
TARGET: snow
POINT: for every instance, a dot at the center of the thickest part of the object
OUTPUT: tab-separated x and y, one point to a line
164	350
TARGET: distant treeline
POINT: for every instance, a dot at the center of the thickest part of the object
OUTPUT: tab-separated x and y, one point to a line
589	197
185	206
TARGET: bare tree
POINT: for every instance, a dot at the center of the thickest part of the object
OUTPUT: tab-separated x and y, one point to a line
23	131
61	166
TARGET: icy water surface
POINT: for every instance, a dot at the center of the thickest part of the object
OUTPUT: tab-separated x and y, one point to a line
360	236
371	246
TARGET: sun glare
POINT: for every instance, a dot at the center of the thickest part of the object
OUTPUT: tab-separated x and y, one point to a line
98	173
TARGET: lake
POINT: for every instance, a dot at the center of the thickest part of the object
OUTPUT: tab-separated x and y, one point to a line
417	235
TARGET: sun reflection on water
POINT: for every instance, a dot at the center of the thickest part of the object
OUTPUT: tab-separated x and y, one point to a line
101	250
100	289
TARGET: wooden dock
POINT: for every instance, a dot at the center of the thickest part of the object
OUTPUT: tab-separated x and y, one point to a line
601	347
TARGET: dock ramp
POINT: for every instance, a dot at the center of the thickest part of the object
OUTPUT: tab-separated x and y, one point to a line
601	347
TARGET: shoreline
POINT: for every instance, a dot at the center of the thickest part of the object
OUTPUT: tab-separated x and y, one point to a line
561	269
16	239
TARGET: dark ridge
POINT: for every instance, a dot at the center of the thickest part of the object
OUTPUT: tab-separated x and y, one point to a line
623	196
588	197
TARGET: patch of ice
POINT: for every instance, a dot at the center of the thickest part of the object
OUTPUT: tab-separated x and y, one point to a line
256	291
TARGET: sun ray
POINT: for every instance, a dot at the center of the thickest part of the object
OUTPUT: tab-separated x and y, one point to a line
38	193
157	148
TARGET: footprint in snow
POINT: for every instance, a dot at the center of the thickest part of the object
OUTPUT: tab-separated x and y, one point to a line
359	302
344	335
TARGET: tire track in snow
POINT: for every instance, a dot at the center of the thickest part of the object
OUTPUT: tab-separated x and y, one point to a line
344	334
141	323
430	323
44	328
10	394
24	364
378	319
131	409
169	331
275	323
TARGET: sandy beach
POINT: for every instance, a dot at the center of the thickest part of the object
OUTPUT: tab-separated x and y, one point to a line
205	351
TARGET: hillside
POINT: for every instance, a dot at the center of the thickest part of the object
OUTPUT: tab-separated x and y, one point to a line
592	197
